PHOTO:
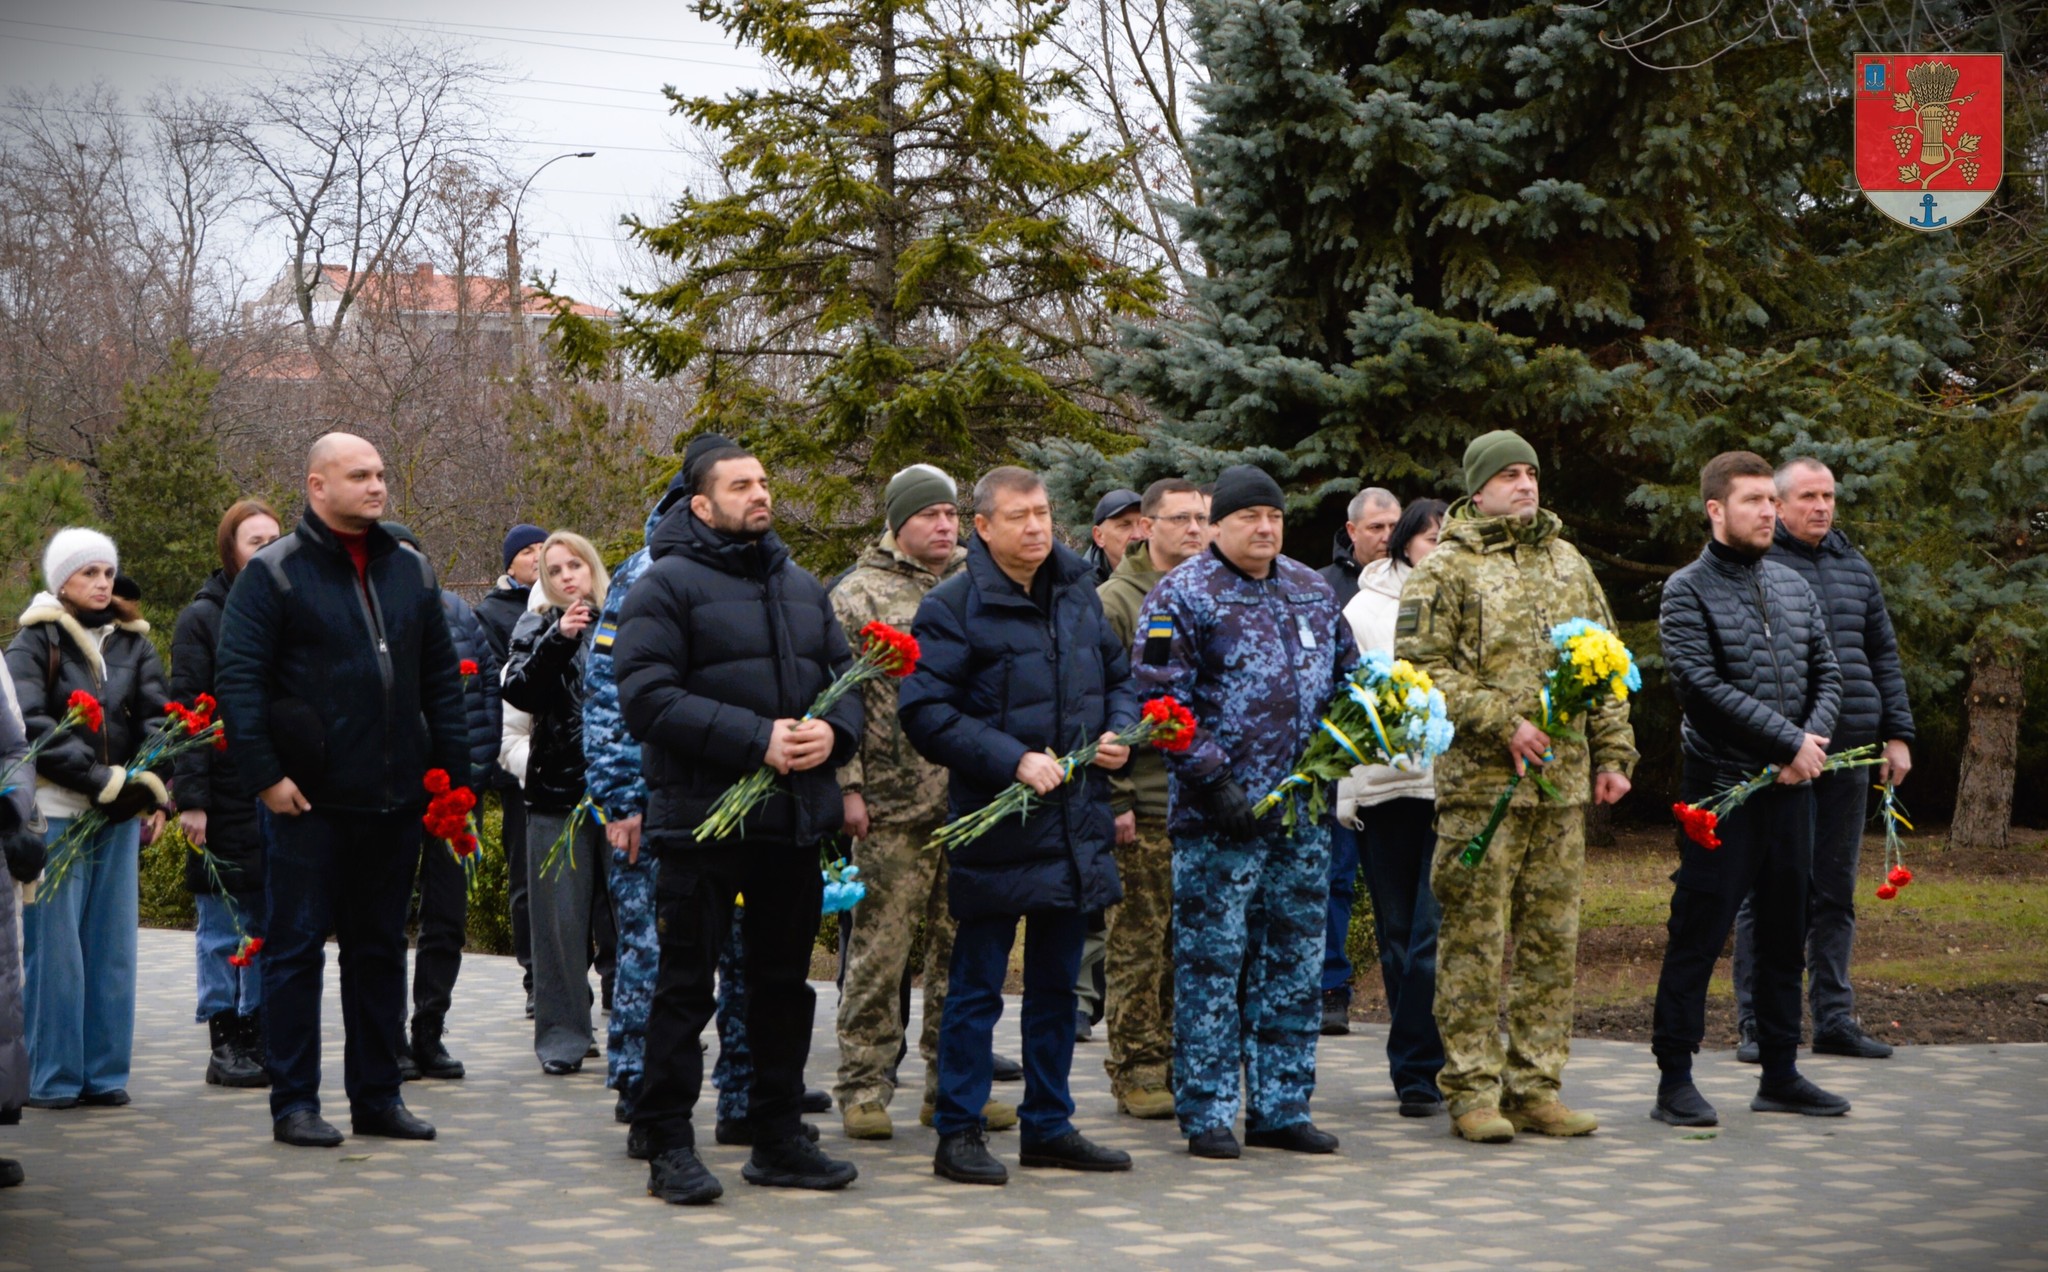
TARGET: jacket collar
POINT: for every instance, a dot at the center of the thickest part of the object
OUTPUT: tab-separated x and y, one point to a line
46	609
691	536
1385	577
215	588
998	588
1343	553
884	554
317	532
1833	543
1722	561
1136	568
1466	525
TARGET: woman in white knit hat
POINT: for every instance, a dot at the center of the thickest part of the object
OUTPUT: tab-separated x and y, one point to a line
80	938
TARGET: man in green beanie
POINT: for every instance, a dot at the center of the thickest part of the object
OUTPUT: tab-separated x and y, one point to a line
895	800
1476	615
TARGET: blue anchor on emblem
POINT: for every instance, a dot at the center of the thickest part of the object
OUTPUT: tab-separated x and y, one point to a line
1927	210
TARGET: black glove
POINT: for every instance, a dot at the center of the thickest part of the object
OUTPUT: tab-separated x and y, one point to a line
25	853
1228	809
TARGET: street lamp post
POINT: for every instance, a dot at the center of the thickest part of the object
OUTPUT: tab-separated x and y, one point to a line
515	307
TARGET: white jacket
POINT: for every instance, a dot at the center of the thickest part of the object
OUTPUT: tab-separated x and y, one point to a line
1371	614
515	742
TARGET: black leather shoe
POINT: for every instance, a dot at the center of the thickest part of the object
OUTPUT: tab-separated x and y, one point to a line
1216	1143
738	1130
396	1122
1421	1106
680	1179
1336	1012
795	1162
305	1129
11	1173
1850	1040
1007	1070
560	1068
1797	1096
1075	1151
963	1157
432	1057
816	1101
408	1068
1302	1137
1684	1106
113	1099
229	1065
640	1144
1747	1049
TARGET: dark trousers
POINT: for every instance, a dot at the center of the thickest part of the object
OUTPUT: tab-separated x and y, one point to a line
444	923
350	875
1766	849
1840	802
974	1003
1337	969
514	836
693	897
1398	840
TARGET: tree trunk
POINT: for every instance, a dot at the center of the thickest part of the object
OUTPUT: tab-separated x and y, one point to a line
1991	750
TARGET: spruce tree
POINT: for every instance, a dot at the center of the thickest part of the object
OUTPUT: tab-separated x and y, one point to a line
38	497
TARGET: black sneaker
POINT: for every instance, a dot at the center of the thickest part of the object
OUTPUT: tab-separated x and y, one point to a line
1850	1040
1075	1151
640	1143
1216	1143
1004	1069
628	1093
114	1099
680	1179
732	1131
1683	1105
816	1101
1421	1104
1336	1012
1797	1096
795	1162
1302	1137
1747	1049
963	1157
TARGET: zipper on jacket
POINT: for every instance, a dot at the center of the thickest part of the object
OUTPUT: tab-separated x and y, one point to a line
373	613
1764	611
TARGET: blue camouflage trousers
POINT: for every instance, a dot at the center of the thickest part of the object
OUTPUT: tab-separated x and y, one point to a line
1248	918
633	991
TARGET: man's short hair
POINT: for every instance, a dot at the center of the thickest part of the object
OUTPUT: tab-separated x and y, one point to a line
1722	470
1800	463
1156	493
996	481
707	467
1366	498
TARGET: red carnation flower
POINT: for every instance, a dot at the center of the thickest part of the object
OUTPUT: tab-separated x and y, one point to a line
896	651
207	703
255	945
1886	892
1699	824
220	741
436	781
468	667
464	844
1899	877
88	709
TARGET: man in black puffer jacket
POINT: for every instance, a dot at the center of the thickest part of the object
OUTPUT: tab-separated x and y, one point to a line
722	645
1874	709
340	688
1747	646
1019	665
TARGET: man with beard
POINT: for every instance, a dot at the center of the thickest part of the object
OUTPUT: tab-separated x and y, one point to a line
722	646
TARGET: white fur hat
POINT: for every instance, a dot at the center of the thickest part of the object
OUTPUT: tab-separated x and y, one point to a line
71	550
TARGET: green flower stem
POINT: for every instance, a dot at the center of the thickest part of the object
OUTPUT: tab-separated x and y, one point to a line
1475	847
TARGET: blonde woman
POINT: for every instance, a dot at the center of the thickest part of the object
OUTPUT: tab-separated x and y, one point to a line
543	748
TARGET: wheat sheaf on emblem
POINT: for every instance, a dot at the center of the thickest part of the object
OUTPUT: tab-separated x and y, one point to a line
1932	103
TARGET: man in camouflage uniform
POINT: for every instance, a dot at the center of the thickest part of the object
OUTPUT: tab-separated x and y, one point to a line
1476	615
895	800
1139	947
1253	644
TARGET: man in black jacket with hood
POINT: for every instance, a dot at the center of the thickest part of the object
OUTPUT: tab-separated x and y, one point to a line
339	684
722	645
1747	647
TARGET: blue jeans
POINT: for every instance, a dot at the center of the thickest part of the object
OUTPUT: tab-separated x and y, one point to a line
222	985
80	946
1337	969
351	875
974	1003
1399	837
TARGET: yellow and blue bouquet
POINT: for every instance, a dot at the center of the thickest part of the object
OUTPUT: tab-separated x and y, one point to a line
1593	666
1389	713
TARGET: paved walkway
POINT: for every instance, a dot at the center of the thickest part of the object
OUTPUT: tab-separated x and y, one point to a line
1940	1167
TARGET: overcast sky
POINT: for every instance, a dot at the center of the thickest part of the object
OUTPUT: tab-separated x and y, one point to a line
584	76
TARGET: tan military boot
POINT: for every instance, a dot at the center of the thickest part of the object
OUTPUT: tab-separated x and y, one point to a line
1146	1102
1552	1118
1483	1126
998	1115
869	1120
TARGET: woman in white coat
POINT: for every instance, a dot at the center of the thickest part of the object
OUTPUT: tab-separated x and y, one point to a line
1394	814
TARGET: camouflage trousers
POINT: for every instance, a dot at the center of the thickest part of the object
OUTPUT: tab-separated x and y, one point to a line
1248	918
1138	960
906	878
1527	886
633	991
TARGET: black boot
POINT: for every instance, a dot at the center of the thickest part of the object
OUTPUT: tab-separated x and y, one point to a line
227	1066
963	1157
429	1055
249	1037
1336	1012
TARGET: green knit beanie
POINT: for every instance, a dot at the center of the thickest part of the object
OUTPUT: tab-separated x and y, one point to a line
1491	452
913	490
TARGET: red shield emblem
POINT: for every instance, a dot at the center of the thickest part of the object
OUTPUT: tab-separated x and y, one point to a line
1930	134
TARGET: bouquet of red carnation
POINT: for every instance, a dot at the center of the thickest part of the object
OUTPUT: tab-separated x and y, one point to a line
1893	815
1702	821
884	651
448	811
1162	723
245	952
80	708
182	729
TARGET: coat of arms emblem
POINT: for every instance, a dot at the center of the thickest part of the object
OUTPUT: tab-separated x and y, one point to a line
1930	134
